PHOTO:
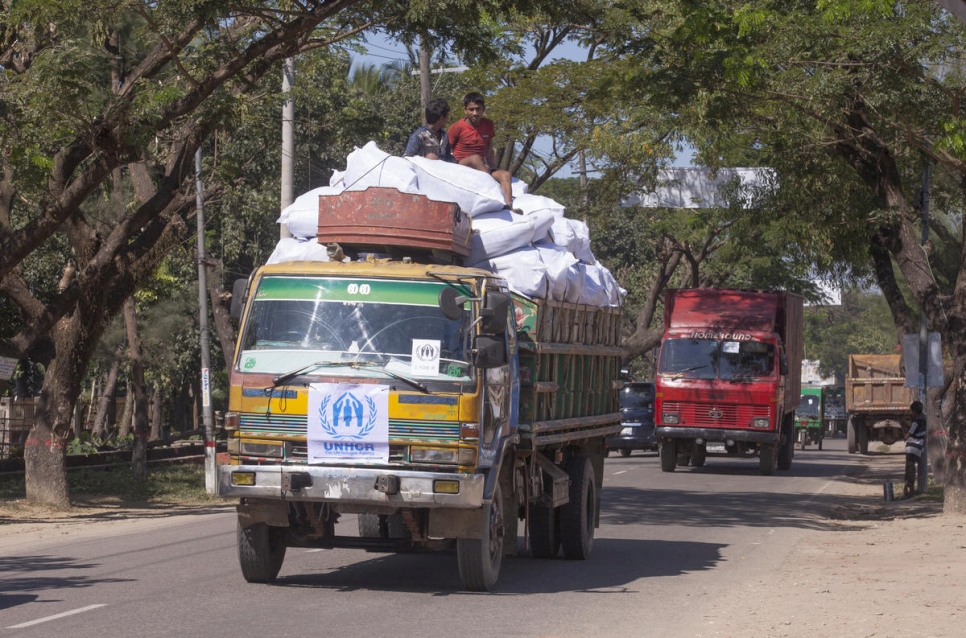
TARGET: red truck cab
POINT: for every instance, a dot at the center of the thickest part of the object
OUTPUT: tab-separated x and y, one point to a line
729	375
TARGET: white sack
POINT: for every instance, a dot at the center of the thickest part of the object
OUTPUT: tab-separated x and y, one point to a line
501	232
530	203
594	292
476	192
293	249
574	236
337	178
523	270
369	166
302	215
558	261
518	187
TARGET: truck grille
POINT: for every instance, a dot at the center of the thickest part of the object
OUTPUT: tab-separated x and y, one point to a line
401	431
712	415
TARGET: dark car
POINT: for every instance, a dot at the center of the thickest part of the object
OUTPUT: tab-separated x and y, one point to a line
637	419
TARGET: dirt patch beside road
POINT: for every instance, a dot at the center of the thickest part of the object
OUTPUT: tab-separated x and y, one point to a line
886	569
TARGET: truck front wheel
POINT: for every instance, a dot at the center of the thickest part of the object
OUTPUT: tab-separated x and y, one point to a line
786	443
669	459
850	434
479	559
767	459
261	550
579	516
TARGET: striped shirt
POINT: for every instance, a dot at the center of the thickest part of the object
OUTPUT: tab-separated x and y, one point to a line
917	436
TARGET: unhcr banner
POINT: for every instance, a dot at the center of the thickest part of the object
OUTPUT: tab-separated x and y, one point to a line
348	422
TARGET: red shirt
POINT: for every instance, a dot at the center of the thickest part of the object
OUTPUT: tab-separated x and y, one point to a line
467	140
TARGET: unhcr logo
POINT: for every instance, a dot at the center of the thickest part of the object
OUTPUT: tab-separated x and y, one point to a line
348	418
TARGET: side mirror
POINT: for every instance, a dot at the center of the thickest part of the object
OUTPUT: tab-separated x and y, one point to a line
494	313
238	291
451	303
489	351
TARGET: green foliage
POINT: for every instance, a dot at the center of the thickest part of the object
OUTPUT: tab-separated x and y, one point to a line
166	484
862	324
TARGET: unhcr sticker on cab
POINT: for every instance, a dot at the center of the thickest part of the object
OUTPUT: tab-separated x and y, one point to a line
348	422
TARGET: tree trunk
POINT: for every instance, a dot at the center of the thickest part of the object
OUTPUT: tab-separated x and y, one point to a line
221	312
45	465
127	416
105	403
139	453
156	428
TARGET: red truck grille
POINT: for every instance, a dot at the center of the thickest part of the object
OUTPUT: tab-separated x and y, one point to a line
712	415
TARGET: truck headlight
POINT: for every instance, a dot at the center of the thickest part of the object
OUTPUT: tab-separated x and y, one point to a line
670	418
433	455
272	450
760	422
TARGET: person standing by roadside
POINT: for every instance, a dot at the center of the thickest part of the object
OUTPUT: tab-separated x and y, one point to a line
472	141
915	441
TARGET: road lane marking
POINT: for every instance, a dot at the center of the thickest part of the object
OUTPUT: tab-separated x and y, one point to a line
621	472
55	616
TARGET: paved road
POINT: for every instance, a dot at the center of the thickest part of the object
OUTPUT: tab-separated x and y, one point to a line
670	548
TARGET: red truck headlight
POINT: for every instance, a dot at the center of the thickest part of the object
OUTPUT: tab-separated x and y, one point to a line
670	418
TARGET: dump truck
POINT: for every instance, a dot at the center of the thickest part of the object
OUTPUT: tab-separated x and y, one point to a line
876	401
729	374
425	398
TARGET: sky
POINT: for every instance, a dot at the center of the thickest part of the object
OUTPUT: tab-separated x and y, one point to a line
381	51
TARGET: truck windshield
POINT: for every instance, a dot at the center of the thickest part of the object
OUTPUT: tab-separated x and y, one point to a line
809	407
712	359
300	321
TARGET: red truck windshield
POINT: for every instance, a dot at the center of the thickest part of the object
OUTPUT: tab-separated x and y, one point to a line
712	359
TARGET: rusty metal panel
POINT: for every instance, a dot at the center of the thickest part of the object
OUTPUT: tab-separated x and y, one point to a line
379	217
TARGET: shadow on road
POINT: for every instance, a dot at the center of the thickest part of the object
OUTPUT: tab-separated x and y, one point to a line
37	583
614	567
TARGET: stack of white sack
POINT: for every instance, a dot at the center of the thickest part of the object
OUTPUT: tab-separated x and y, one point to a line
540	252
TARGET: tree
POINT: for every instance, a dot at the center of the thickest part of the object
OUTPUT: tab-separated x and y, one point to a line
843	103
185	71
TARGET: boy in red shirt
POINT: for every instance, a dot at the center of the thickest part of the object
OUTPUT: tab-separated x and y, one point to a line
471	140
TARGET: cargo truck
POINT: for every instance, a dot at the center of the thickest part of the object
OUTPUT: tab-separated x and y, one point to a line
876	400
425	398
729	375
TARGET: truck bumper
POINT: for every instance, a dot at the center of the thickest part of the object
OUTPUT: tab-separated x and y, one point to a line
358	486
714	434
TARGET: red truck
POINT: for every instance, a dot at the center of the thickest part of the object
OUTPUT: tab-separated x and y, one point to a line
729	374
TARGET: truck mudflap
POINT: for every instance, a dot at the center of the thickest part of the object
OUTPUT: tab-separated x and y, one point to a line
359	486
714	434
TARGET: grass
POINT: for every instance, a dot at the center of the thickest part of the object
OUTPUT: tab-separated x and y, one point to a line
170	483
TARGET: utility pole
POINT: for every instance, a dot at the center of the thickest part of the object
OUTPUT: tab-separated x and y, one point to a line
288	142
924	338
424	72
211	464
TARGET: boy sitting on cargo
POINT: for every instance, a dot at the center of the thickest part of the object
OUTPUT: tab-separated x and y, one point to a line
472	141
430	141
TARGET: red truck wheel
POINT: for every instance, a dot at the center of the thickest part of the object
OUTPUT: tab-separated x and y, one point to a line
669	459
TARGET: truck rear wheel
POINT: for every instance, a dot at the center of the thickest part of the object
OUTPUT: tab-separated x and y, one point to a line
579	516
699	455
767	460
862	437
669	459
479	559
261	550
544	533
850	435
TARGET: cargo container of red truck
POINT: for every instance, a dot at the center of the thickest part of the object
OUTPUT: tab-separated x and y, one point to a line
729	373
